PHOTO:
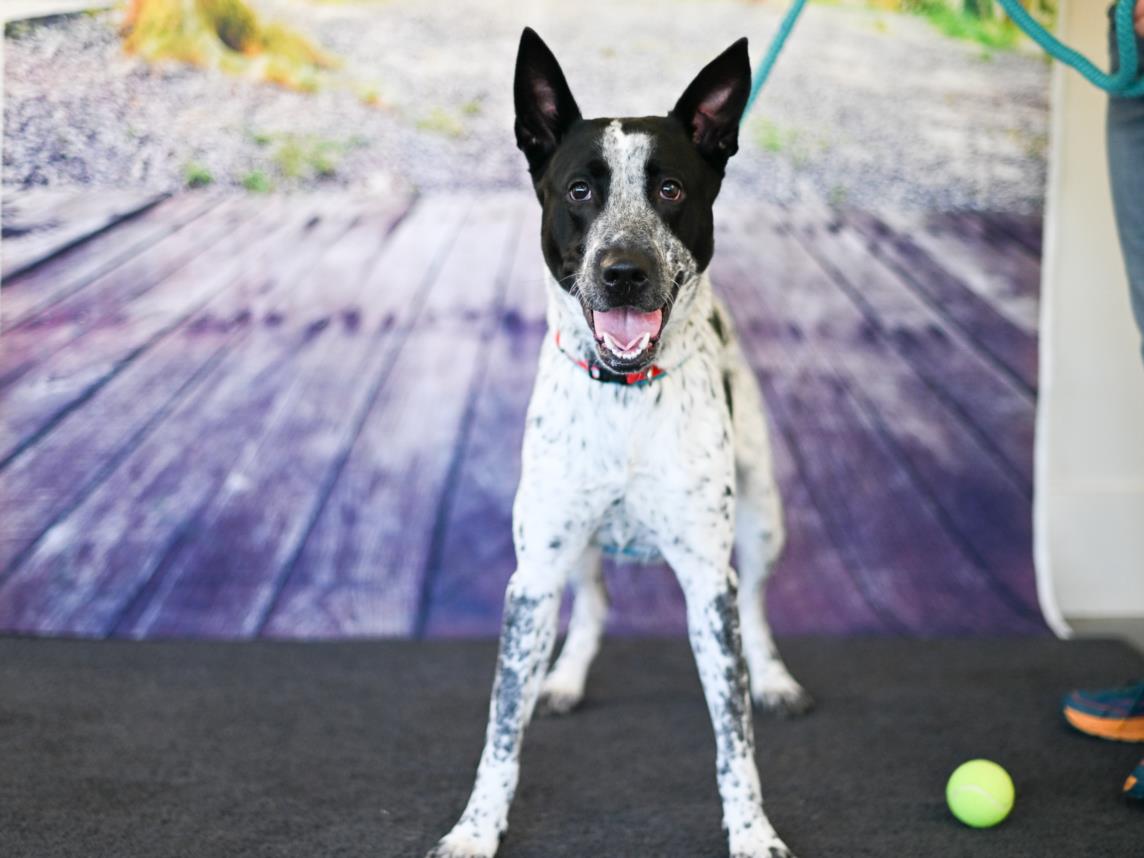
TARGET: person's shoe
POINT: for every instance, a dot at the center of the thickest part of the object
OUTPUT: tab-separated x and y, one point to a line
1134	786
1109	713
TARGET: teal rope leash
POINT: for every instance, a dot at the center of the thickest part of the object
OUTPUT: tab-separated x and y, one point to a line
777	43
1125	83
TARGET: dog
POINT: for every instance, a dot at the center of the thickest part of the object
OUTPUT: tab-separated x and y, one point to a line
646	435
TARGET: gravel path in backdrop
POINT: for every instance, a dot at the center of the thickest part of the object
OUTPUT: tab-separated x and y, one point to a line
866	108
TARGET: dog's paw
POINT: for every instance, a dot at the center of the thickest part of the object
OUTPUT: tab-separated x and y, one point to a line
558	696
556	703
766	844
786	700
458	844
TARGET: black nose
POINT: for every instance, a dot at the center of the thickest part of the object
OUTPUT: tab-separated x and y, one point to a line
627	269
624	272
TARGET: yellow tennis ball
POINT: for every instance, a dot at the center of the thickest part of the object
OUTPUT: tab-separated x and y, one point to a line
980	793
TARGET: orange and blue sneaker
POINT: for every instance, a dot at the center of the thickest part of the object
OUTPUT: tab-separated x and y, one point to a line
1108	713
1134	786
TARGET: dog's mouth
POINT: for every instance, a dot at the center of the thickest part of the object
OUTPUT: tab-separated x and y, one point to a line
626	337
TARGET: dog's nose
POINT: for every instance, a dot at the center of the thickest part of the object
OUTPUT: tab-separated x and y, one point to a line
624	270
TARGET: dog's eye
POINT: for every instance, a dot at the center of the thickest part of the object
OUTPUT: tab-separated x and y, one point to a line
671	190
579	192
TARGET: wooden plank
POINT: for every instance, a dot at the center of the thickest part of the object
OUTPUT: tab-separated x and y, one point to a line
469	567
1013	349
98	348
981	503
227	584
100	304
81	576
360	569
909	565
864	481
1027	230
988	261
41	223
30	294
52	476
812	589
998	411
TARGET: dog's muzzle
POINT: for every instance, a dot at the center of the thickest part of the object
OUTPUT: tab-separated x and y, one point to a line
628	309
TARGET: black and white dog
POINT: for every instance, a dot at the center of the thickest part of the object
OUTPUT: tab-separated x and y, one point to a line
646	434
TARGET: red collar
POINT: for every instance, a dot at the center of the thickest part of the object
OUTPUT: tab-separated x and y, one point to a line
602	373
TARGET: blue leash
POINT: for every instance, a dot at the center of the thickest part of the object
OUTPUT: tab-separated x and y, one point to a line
1125	83
777	43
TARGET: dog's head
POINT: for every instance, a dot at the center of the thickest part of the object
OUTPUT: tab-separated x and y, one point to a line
627	220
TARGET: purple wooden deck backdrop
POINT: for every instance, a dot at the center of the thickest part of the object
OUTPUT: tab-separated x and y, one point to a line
301	416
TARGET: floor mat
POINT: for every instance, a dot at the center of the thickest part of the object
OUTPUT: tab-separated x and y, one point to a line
368	748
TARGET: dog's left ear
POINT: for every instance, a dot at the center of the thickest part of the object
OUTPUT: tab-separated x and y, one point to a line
711	107
545	108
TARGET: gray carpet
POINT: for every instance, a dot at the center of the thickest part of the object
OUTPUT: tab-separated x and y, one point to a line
367	749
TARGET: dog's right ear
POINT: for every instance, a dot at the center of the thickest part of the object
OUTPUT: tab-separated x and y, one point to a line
545	107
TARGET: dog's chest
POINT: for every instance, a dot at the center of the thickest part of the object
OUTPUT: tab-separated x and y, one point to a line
637	457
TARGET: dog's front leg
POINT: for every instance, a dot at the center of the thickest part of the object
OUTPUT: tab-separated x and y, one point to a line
527	635
713	628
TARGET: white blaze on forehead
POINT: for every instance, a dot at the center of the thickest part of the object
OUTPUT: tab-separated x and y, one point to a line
628	213
626	155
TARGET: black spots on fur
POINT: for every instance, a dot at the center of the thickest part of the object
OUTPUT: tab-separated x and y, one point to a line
734	723
717	326
728	492
555	544
507	695
727	393
659	395
518	642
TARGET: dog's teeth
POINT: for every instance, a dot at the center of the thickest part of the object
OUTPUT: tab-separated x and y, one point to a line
611	343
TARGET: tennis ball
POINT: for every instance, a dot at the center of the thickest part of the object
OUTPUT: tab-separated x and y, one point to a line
980	793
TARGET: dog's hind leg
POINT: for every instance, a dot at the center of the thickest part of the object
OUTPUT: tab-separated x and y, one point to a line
759	539
563	688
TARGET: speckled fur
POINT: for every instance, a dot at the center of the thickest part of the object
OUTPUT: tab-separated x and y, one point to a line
682	465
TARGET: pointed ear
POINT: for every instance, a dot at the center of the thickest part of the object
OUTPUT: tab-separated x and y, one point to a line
711	107
544	105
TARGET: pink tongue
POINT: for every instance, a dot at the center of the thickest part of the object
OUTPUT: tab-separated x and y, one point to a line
626	325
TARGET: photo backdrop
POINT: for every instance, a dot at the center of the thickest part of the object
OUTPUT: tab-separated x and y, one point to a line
270	319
